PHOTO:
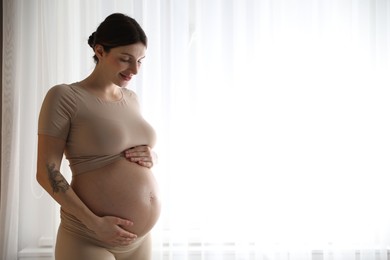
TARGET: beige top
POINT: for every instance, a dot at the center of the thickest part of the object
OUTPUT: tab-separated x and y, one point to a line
96	131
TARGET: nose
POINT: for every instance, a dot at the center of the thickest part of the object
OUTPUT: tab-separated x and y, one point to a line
134	67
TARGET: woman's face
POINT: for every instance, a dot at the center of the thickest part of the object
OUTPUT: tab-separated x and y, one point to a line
121	63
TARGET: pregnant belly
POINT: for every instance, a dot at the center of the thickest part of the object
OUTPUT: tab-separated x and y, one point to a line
122	189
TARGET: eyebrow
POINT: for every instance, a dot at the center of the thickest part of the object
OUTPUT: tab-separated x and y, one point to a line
128	54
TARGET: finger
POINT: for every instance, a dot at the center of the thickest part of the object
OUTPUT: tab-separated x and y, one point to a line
137	154
146	164
140	154
141	159
135	159
123	234
123	222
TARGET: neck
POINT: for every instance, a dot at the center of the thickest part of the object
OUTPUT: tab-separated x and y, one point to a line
98	81
101	86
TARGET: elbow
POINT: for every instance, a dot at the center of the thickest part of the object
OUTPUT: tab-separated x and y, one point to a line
41	174
40	178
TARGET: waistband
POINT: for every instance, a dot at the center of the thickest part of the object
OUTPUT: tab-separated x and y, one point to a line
71	224
74	226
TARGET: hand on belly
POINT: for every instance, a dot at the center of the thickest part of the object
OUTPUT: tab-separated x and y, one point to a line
124	190
112	231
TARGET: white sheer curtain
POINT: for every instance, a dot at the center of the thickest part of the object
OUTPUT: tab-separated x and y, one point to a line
273	122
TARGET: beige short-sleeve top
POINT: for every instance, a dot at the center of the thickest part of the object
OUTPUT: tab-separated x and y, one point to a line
96	131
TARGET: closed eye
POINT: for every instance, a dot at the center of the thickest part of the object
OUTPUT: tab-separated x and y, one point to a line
125	60
131	59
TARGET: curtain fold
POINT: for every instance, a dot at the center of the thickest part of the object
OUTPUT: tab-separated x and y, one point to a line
9	224
272	118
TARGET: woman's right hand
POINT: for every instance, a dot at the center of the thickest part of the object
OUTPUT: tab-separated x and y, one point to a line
111	230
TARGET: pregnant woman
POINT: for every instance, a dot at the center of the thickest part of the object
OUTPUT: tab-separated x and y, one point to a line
112	203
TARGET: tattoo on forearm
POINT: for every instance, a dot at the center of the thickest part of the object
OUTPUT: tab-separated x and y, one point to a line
57	180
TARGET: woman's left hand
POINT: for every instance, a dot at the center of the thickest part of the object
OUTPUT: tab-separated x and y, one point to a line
143	155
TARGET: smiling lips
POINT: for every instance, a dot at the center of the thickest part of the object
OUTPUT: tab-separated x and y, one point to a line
127	78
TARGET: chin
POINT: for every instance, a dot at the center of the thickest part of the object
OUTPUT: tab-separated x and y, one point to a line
122	84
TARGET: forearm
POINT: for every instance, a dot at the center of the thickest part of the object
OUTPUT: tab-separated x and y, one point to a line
51	179
108	229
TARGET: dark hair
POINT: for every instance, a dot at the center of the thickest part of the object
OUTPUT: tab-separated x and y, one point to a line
117	30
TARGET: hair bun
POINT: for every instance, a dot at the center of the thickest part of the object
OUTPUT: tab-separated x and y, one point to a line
91	40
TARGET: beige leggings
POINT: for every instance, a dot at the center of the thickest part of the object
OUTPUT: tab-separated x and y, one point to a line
72	243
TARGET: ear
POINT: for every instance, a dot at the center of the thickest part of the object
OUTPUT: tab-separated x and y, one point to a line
99	51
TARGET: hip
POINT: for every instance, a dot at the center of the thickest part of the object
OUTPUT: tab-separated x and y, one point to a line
76	241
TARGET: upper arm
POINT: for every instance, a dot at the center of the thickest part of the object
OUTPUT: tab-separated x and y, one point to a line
57	111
